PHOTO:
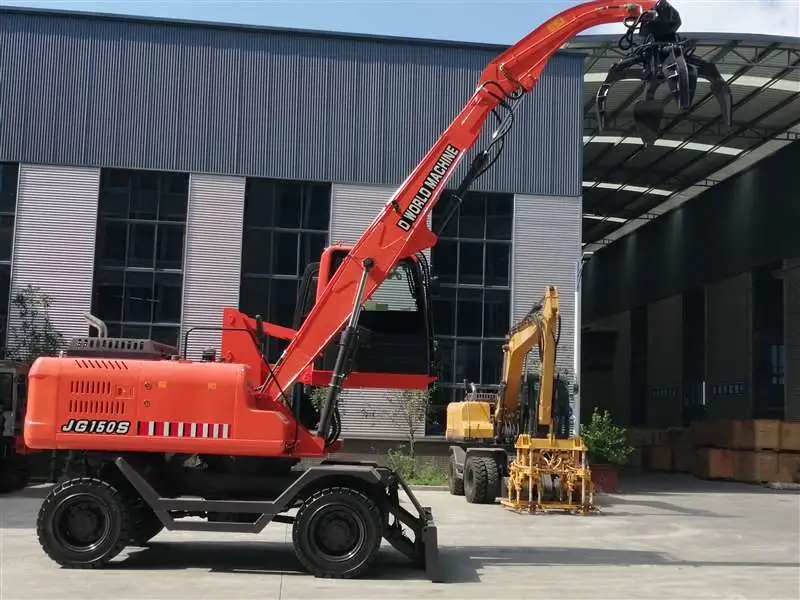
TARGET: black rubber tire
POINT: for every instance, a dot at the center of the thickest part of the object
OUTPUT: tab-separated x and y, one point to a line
360	509
100	495
475	480
493	480
481	480
454	483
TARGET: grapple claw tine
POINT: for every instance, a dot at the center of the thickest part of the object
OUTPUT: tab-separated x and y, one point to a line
620	71
719	87
662	56
647	116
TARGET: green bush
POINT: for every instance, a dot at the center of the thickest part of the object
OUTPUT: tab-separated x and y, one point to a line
606	442
401	461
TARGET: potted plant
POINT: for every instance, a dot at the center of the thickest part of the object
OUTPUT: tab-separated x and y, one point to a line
607	449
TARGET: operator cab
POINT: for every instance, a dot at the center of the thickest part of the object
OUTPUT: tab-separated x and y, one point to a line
395	325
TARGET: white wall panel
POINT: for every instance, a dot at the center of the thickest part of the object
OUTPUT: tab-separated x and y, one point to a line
546	250
212	263
54	242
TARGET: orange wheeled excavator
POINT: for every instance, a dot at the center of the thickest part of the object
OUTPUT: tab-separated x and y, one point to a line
158	439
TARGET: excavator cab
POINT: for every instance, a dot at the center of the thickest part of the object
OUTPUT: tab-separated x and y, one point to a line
395	329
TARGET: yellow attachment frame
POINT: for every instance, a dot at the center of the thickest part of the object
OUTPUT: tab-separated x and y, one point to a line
550	474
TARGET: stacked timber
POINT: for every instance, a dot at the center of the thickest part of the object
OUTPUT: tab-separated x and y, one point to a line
746	450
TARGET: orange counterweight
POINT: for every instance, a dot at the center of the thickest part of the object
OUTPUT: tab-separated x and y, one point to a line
154	406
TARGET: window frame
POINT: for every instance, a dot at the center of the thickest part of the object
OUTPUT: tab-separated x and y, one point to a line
167	186
453	288
260	271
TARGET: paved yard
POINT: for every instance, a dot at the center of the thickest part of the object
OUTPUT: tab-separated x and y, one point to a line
666	537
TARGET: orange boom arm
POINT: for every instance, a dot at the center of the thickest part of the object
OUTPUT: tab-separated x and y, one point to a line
400	229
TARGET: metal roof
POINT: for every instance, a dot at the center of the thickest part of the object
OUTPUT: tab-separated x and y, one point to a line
238	27
626	185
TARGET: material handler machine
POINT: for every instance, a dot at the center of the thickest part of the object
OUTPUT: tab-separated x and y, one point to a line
161	439
515	439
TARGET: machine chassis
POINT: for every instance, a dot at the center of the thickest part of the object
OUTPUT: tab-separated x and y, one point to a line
130	498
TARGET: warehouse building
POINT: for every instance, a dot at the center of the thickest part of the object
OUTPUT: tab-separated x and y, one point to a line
691	296
155	172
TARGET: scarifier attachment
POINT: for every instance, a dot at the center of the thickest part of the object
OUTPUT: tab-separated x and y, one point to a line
663	56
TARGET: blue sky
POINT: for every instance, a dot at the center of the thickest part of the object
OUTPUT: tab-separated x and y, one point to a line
496	21
467	20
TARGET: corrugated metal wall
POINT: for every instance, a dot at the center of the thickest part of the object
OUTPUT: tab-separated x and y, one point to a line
54	242
369	413
791	324
728	347
664	362
265	103
546	249
213	256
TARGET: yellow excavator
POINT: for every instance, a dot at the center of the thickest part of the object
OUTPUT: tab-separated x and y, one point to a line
515	442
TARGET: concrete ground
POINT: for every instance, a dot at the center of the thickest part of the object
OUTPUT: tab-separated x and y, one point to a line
665	537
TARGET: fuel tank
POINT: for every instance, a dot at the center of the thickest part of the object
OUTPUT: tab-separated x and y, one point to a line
114	404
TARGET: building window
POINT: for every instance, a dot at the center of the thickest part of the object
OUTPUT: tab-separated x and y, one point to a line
285	228
9	173
472	307
138	282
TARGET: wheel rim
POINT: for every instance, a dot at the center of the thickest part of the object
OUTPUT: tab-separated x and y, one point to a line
337	533
82	523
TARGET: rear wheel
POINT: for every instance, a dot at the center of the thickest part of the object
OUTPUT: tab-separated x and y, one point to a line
454	483
337	532
83	523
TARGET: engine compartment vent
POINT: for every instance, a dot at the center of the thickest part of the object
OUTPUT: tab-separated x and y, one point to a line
96	406
93	387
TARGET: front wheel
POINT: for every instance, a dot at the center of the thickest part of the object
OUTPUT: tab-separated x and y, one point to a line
481	480
337	532
83	523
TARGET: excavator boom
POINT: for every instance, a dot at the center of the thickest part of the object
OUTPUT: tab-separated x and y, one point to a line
540	327
400	229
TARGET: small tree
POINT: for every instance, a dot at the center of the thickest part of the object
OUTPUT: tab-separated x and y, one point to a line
34	334
410	408
606	442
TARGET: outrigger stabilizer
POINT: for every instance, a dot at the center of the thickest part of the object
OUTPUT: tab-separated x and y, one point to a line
662	56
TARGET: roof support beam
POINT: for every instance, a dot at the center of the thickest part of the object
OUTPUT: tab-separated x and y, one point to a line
730	136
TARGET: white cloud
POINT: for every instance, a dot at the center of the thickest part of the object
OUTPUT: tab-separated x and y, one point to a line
775	17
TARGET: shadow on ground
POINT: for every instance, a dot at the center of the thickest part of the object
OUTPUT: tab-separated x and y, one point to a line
458	564
666	484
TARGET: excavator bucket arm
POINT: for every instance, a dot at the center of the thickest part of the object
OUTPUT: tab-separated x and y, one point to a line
662	56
